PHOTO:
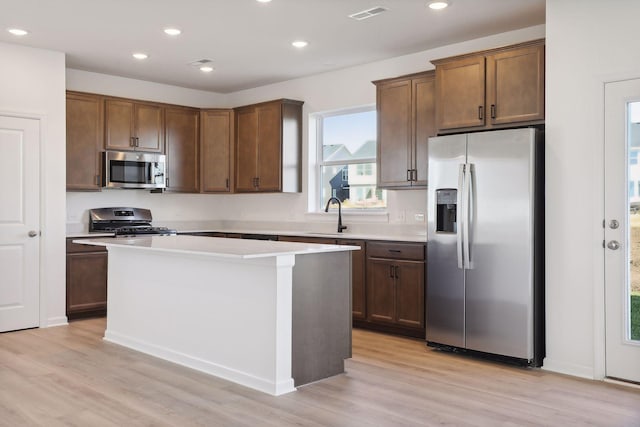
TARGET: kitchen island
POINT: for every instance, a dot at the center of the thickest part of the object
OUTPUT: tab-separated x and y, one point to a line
267	315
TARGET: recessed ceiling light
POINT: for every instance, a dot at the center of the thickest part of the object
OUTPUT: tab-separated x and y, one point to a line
206	69
18	32
263	1
438	5
172	31
299	44
140	55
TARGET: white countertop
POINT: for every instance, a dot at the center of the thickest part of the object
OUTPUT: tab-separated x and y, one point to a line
218	247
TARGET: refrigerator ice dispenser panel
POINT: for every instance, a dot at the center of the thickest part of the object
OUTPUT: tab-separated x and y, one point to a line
446	208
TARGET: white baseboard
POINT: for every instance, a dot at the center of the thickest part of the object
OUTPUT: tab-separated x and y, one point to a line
201	365
56	321
569	369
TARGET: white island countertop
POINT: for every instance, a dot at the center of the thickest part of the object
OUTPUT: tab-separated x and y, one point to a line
268	315
217	247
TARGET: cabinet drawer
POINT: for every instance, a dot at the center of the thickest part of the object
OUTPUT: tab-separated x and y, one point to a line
408	251
75	247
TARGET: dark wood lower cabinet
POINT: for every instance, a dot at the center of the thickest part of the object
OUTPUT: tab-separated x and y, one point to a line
395	288
86	281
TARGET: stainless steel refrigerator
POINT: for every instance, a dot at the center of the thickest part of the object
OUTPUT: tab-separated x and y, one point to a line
485	260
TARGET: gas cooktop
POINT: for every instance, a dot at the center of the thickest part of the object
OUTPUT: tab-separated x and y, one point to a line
125	222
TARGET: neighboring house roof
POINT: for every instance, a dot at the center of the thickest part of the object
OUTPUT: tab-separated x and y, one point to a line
366	150
341	152
335	152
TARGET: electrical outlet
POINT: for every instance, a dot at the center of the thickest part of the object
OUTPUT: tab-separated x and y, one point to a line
418	217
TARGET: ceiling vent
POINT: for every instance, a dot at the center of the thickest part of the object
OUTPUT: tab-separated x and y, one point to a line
359	16
199	63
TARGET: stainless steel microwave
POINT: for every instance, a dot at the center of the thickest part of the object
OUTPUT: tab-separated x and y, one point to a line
134	170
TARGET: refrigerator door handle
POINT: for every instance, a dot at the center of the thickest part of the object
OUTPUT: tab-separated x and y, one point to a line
460	215
468	216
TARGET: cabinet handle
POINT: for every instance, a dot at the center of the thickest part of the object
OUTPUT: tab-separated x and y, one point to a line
133	141
396	269
167	183
408	174
414	174
395	251
493	111
391	271
480	112
97	179
227	184
137	142
258	182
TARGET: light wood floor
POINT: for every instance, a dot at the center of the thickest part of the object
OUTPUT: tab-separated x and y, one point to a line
68	376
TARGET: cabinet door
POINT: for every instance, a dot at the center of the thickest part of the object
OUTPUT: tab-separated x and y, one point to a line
410	293
381	301
119	125
246	150
85	131
515	85
216	151
358	267
460	92
394	134
424	119
148	127
269	147
86	282
181	130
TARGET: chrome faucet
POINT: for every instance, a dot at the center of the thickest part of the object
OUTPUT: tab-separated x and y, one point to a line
326	209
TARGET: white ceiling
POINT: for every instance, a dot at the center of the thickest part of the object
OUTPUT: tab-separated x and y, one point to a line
249	42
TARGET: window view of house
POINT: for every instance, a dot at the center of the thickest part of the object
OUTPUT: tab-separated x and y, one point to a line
348	159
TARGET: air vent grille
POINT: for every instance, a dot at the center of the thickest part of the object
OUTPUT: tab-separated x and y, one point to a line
200	62
359	16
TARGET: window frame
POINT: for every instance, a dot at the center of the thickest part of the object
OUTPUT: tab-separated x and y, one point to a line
320	162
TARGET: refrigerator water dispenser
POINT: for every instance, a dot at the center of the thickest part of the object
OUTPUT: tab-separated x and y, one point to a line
446	207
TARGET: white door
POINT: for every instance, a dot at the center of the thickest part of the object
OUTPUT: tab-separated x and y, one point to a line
19	223
622	229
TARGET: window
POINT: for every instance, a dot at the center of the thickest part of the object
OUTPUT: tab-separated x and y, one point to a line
347	159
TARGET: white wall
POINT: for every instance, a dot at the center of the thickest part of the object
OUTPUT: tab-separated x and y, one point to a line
32	82
85	81
588	43
345	88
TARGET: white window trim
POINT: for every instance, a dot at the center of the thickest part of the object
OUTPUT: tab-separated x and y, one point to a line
317	206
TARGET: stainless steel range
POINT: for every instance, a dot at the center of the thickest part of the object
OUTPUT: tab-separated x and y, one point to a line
125	222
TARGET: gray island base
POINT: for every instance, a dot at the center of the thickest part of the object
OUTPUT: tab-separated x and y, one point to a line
268	315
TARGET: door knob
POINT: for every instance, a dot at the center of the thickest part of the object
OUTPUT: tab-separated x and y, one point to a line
33	233
613	245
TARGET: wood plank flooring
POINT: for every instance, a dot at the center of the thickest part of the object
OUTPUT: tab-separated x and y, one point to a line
68	376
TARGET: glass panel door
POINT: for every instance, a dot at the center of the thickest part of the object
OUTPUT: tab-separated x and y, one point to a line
632	311
621	243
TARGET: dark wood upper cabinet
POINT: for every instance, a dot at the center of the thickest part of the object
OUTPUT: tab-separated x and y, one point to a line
406	119
269	147
216	151
182	148
85	131
133	126
515	85
491	89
